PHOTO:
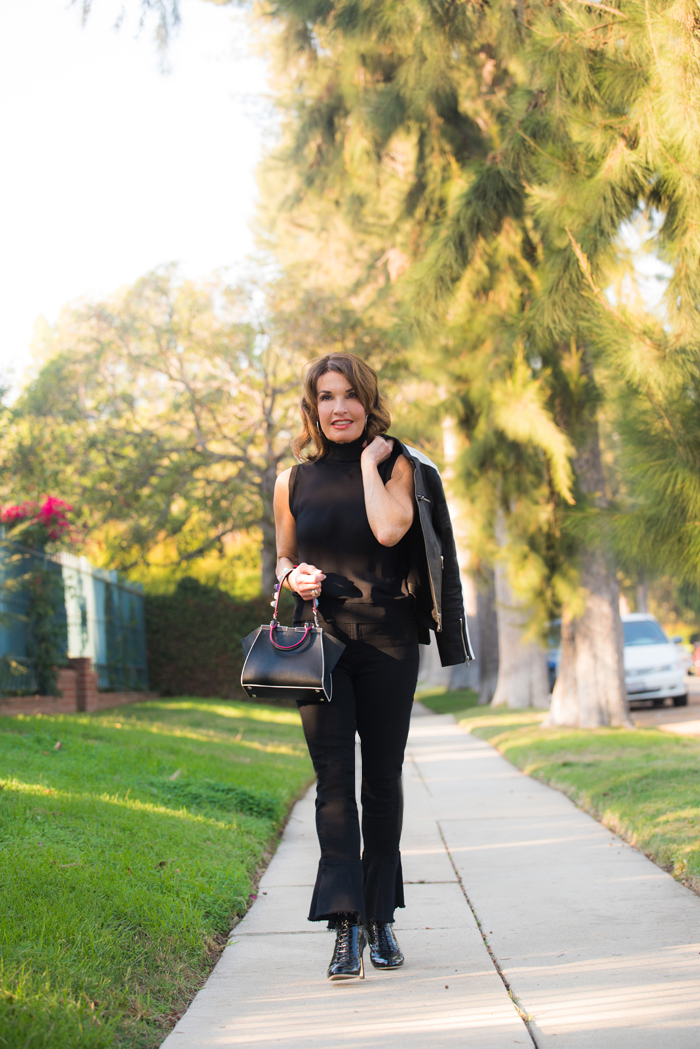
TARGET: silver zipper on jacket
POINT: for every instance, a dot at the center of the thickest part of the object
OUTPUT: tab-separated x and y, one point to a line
465	645
464	640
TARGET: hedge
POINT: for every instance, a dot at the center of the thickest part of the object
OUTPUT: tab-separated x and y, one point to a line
193	637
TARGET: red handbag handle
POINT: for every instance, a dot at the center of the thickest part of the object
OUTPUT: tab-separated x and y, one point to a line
288	648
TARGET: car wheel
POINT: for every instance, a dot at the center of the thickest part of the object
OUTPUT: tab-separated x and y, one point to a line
680	701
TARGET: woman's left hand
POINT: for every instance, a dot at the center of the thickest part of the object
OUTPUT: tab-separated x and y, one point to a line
378	450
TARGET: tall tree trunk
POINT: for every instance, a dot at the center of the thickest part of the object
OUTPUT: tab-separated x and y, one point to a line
522	665
487	641
267	525
590	687
461	675
642	594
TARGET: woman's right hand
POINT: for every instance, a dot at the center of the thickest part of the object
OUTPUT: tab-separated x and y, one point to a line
306	581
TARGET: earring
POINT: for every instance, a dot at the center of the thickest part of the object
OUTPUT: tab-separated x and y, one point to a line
318	427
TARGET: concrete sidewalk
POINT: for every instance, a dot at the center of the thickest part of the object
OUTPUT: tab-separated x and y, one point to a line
598	946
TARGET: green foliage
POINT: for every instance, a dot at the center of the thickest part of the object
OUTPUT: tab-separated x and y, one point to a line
160	410
193	638
495	153
398	119
233	567
126	853
165	412
654	410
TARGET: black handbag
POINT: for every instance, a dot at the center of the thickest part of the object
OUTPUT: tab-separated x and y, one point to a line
283	662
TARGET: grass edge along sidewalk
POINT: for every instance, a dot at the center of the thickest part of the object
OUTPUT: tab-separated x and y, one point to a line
642	783
130	840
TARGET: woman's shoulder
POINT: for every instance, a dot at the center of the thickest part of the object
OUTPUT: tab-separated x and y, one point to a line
284	477
287	479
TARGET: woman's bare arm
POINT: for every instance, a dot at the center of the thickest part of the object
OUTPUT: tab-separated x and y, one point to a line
305	579
389	506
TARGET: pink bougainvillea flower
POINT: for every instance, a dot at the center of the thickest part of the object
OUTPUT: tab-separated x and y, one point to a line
50	516
10	514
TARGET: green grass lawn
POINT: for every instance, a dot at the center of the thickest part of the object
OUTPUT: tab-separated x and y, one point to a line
126	852
642	784
444	702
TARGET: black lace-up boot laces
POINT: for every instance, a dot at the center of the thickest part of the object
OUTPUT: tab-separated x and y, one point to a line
343	941
347	954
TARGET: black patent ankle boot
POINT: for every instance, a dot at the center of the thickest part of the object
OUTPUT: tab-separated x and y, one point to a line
346	963
384	950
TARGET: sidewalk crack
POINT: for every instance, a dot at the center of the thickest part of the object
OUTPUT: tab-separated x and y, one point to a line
419	773
524	1016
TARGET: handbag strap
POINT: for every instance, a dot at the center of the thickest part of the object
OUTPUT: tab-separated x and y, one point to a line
275	605
276	594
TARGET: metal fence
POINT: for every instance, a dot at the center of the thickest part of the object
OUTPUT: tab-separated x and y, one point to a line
103	617
106	622
17	668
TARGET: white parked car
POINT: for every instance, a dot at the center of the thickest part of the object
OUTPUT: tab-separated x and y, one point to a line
654	669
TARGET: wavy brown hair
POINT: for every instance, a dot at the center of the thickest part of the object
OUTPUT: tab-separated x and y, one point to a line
363	379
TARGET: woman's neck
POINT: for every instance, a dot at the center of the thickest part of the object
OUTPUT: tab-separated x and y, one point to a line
347	452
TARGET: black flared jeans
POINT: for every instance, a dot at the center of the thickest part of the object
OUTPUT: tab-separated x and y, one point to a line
373	687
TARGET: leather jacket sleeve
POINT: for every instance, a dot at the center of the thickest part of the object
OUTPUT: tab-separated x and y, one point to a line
453	640
436	581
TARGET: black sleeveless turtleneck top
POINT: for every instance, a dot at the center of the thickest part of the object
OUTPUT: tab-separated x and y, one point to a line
327	499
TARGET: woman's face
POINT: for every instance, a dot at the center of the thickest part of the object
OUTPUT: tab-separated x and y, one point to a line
341	413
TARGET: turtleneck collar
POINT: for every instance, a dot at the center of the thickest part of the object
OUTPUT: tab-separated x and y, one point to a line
348	452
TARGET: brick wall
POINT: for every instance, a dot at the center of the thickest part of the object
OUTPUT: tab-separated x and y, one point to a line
67	686
12	705
86	683
78	684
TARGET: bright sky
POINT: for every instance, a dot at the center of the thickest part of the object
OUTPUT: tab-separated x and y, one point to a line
109	167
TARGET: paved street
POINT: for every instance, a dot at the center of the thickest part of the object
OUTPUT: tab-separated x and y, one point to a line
683	721
596	945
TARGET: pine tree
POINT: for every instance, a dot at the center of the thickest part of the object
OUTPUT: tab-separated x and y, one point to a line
483	145
397	121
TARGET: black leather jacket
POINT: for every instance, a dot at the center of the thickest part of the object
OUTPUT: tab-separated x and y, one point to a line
434	578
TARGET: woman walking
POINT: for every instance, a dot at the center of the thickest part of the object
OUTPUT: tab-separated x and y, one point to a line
362	525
